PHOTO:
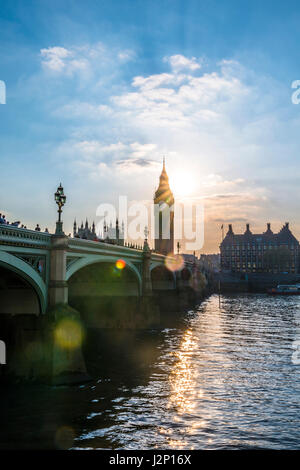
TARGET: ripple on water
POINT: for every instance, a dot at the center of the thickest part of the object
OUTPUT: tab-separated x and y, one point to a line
226	380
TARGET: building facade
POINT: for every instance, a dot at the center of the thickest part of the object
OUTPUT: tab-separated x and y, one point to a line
164	215
210	262
265	252
84	231
113	235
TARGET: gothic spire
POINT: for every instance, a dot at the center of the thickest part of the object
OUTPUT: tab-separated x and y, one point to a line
163	192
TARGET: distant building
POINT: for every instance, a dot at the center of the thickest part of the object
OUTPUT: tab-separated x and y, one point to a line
265	252
110	234
114	234
191	258
210	262
84	231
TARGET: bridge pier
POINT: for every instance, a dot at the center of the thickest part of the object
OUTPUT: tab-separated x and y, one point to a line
146	278
191	289
62	364
148	308
58	286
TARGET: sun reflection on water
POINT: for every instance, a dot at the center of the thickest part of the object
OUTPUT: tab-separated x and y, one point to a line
183	377
194	376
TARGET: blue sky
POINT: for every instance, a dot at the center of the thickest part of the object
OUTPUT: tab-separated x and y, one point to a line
98	91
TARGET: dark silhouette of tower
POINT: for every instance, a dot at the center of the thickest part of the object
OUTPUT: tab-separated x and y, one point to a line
164	208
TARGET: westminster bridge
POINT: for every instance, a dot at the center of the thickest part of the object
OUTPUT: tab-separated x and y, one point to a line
111	286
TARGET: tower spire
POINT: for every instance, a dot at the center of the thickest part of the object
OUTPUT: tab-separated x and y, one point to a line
74	228
163	202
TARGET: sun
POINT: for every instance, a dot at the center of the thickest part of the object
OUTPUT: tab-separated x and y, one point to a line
183	183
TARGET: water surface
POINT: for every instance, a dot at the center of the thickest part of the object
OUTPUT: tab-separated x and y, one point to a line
223	378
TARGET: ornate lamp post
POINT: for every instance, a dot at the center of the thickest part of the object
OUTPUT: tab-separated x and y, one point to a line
146	246
146	232
147	285
60	200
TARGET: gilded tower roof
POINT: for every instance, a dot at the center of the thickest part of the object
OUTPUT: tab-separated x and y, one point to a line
163	192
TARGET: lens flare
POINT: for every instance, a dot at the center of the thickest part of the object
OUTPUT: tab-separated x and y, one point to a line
64	437
68	334
174	262
120	264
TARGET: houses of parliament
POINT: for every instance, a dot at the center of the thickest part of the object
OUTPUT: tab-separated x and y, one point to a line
164	231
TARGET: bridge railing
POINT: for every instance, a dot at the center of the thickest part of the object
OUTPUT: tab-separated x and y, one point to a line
74	241
101	246
14	235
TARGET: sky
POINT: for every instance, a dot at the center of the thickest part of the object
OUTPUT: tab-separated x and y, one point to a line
98	91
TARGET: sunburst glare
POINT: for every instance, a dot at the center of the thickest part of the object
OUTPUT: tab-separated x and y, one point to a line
183	183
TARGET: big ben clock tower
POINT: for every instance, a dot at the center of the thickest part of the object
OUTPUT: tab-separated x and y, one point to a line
164	209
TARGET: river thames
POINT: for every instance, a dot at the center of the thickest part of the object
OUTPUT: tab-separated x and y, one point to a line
225	376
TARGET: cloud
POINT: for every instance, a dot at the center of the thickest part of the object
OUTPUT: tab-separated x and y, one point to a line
62	60
172	101
180	100
132	163
158	80
141	150
95	156
230	220
54	58
82	59
214	180
225	127
179	62
126	55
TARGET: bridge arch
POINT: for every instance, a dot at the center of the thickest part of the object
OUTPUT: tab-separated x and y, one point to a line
28	274
105	296
186	273
161	277
95	259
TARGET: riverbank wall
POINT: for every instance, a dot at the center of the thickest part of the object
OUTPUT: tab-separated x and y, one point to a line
252	282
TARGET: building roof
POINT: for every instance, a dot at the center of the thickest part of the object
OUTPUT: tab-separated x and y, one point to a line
163	192
284	236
